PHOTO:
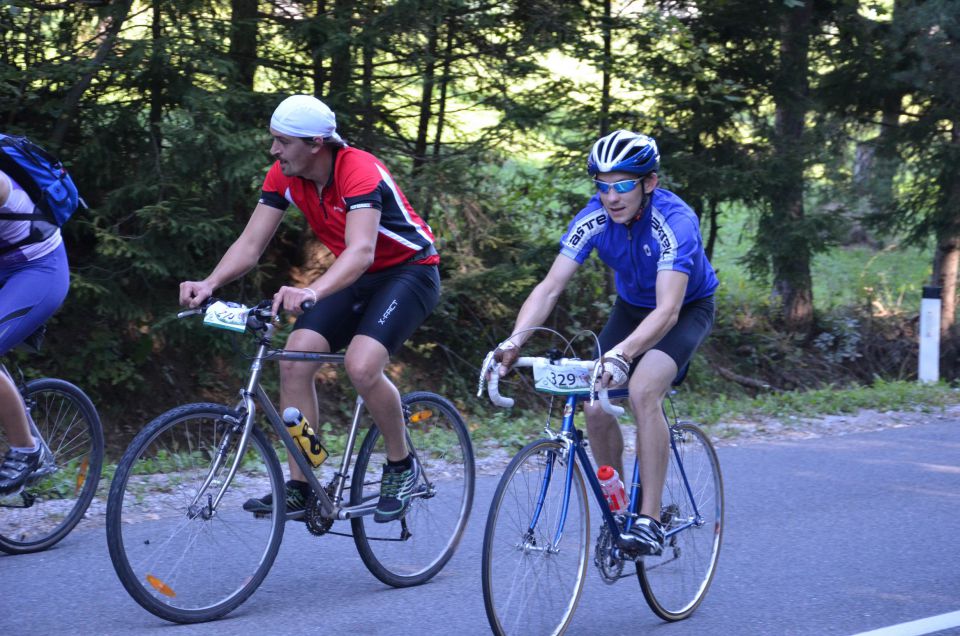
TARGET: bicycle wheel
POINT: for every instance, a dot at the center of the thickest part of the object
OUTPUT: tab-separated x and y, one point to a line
411	550
58	494
531	580
675	583
176	557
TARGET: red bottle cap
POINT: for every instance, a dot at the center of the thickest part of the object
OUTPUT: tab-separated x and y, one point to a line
605	472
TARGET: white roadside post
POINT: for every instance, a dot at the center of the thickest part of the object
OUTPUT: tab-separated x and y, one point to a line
929	359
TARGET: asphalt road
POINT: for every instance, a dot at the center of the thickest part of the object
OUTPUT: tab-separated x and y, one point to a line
835	535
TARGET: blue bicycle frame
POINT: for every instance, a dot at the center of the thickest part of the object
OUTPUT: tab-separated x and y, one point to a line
574	439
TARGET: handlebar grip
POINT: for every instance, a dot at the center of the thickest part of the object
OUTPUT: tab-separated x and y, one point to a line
493	389
307	305
603	396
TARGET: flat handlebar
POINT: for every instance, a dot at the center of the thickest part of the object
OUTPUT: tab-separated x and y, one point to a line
490	372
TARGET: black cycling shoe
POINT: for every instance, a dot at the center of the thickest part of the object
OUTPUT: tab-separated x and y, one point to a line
644	539
296	500
396	487
17	467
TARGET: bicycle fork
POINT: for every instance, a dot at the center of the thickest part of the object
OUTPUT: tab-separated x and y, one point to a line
208	510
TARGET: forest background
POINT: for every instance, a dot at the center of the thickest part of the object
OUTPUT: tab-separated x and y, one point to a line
805	133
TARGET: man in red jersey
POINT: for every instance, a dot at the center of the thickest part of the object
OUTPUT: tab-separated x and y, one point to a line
382	285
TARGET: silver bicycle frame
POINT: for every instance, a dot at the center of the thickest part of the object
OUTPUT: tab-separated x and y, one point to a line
253	393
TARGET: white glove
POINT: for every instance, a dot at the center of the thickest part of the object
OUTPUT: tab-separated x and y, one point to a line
617	366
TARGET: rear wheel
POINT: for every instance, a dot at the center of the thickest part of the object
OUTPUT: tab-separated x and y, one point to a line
55	497
412	549
676	582
177	555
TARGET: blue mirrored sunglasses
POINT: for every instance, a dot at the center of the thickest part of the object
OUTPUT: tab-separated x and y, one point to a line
620	186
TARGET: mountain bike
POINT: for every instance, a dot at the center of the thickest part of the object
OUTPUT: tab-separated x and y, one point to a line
56	496
185	549
537	536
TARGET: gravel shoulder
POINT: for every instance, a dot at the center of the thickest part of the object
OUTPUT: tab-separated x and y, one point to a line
492	459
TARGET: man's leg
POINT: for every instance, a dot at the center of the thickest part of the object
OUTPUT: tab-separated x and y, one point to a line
297	385
606	440
648	386
13	417
365	361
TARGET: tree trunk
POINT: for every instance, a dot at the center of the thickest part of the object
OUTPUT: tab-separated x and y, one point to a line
111	25
426	98
605	98
947	256
316	44
156	86
243	42
444	84
713	213
367	109
341	62
791	254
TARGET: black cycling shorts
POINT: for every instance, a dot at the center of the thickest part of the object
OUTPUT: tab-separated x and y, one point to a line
387	306
692	328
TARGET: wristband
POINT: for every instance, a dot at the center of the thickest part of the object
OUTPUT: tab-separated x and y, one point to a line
507	345
312	292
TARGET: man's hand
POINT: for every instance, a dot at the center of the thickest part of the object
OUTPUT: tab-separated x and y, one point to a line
290	298
616	369
506	353
192	293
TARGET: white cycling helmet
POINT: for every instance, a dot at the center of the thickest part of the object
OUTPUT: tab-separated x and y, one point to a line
624	151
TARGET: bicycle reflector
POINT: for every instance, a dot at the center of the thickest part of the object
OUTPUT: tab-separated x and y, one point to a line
82	474
421	416
160	586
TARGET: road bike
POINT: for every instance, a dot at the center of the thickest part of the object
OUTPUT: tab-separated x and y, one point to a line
56	496
537	536
185	549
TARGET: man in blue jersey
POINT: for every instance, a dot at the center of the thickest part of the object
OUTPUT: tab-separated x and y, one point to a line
664	307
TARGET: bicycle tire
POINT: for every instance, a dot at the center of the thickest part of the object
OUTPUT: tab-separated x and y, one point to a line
531	586
177	564
413	549
55	500
675	583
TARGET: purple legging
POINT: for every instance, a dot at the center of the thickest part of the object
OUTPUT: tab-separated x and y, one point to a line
29	294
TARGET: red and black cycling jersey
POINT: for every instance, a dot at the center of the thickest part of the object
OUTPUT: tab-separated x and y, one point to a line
359	180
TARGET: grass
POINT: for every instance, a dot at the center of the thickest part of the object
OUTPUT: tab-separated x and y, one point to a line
890	278
881	396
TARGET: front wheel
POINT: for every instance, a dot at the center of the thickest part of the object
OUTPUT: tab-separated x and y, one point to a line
57	495
412	549
535	544
178	554
676	582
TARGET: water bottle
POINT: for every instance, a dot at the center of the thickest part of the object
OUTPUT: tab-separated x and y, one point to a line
612	488
304	436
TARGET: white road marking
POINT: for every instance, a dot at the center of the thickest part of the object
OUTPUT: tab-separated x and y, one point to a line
918	627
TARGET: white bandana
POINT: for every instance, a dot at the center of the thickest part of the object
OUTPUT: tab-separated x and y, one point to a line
305	116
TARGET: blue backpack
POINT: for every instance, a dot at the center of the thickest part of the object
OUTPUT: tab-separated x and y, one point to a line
44	179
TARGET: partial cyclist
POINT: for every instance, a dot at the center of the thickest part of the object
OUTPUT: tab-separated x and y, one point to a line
381	287
663	311
34	279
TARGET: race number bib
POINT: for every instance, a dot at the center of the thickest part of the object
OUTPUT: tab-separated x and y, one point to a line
560	379
226	315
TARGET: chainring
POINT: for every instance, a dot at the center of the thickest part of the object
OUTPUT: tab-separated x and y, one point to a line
610	566
317	524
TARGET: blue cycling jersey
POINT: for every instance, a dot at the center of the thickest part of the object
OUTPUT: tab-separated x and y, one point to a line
666	237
